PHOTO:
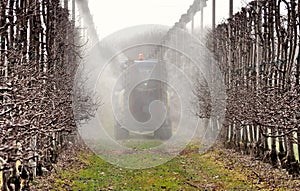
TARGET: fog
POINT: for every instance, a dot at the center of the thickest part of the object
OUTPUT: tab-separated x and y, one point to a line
185	58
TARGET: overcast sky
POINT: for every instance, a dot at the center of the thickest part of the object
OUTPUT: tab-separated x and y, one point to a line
112	15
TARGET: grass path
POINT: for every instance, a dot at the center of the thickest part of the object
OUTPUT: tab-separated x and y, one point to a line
215	170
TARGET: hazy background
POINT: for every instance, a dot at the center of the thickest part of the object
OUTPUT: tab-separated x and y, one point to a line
114	21
113	15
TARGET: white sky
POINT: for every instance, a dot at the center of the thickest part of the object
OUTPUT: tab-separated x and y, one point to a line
113	15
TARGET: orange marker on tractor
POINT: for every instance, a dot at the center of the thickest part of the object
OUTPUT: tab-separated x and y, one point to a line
141	56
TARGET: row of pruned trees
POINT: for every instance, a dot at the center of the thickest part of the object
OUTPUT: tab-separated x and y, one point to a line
38	62
258	53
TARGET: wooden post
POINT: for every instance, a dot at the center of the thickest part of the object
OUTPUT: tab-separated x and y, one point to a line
193	25
66	2
230	8
73	11
213	14
1	174
201	21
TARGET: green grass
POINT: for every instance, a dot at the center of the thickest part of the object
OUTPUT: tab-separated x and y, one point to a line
142	144
189	171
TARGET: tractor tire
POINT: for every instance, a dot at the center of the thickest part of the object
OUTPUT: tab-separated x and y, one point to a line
163	133
121	133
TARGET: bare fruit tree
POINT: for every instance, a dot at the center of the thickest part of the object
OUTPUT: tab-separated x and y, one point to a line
39	56
258	51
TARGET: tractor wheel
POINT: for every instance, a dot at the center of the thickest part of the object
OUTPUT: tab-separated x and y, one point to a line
121	133
163	133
